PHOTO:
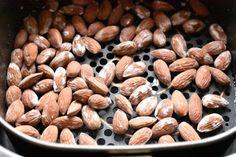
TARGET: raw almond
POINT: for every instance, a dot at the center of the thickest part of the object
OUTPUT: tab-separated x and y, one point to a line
141	136
199	8
31	25
214	101
183	79
67	137
193	26
46	70
64	99
135	69
79	25
162	6
107	73
120	122
59	21
183	64
50	134
26	71
82	2
97	101
146	23
72	9
127	33
123	104
220	77
129	85
55	38
29	99
141	122
62	60
68	33
85	139
166	55
203	77
17	57
164	109
180	103
30	80
73	69
97	86
67	122
223	60
162	21
66	46
13	93
44	21
50	112
166	139
82	95
59	80
107	33
210	122
195	108
162	72
146	106
139	94
43	86
93	28
74	108
179	45
91	12
30	53
14	112
127	4
127	20
32	117
143	39
76	84
116	15
214	47
125	48
217	33
91	45
78	46
90	118
200	56
165	126
104	10
159	38
21	38
180	17
40	41
86	71
28	130
187	132
47	98
52	5
142	12
46	56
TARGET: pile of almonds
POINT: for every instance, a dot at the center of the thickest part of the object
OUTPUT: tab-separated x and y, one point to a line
48	87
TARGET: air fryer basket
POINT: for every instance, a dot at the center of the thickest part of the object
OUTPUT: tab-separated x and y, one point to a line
11	15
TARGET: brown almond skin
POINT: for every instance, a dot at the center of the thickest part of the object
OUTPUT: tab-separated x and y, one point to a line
21	38
183	64
32	117
107	33
141	121
125	48
91	12
79	25
210	122
166	55
146	23
166	139
107	73
223	60
127	33
162	6
44	21
203	77
74	108
72	9
123	104
50	112
200	56
129	85
55	38
180	17
67	122
46	98
187	132
94	27
30	53
90	118
26	71
142	12
59	21
180	103
59	80
67	137
162	21
162	72
214	47
73	69
29	98
164	109
17	57
159	38
92	45
199	8
122	64
120	122
97	101
46	56
104	10
193	26
179	45
97	86
127	20
147	106
46	70
217	32
68	33
52	5
28	130
195	108
143	39
86	71
31	25
82	95
64	99
14	111
50	134
30	80
127	4
219	76
164	127
183	79
85	139
139	94
61	60
141	136
43	86
13	93
116	15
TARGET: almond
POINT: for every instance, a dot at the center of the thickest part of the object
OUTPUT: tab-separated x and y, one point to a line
43	86
44	21
68	33
162	72
165	126
183	79
64	99
30	80
214	101
50	112
123	104
26	71
146	106
97	86
46	70
62	60
166	139
199	8
59	80
187	132
179	45
220	77
127	4
76	84
139	94
47	98
21	38
200	56
107	73
67	137
210	122
141	122
164	109
162	6
166	55
217	33
86	71
92	45
180	17
146	23
14	112
73	69
78	46
129	85
142	12
85	139
203	77
125	48
91	12
180	103
31	25
90	118
214	47
59	21
66	46
13	93
83	2
50	134
195	108
52	5
55	38
143	39
74	108
17	57
127	33
82	95
45	56
120	122
28	130
72	9
104	10
97	101
40	41
223	60
162	21
135	69
122	64
79	25
159	38
93	28
32	117
67	122
183	64
29	99
107	33
30	53
115	15
127	20
193	26
141	136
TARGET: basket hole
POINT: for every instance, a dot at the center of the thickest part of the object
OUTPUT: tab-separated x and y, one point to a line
81	59
171	90
155	88
107	132
199	42
110	48
226	118
167	43
100	54
111	144
136	58
192	89
127	140
93	64
189	45
98	68
145	74
187	38
150	79
216	92
93	134
102	113
90	55
116	41
103	61
114	90
118	138
186	95
101	141
115	109
110	56
227	93
150	67
146	50
109	120
226	124
163	96
146	57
